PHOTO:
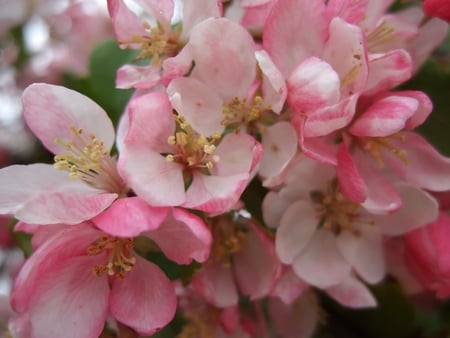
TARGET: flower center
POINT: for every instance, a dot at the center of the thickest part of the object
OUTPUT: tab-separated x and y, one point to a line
87	159
195	327
193	151
119	252
157	45
374	146
334	212
229	238
238	112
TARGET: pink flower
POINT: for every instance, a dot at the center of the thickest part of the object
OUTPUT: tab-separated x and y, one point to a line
180	161
155	41
89	273
84	179
219	94
234	267
437	8
427	255
335	235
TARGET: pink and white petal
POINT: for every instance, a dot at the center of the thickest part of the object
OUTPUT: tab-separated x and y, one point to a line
254	279
145	299
352	293
69	301
237	154
425	166
63	207
50	111
215	44
273	207
352	11
319	149
321	263
382	197
388	70
346	52
254	18
422	112
419	208
289	287
431	34
215	194
152	177
198	103
189	232
126	24
142	77
298	320
294	31
385	117
280	145
151	122
312	85
375	9
39	194
197	11
179	65
295	233
70	242
273	85
364	251
351	183
216	284
129	217
331	118
161	10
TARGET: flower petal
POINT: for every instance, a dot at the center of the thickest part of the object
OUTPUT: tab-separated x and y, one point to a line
39	194
145	299
69	301
419	208
198	103
129	217
352	293
294	233
50	111
293	31
190	233
321	264
313	84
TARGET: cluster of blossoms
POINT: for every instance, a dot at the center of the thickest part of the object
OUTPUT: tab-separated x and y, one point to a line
296	98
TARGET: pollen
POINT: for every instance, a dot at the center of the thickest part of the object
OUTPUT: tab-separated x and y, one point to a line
191	149
229	238
157	45
375	145
119	252
241	112
85	158
335	213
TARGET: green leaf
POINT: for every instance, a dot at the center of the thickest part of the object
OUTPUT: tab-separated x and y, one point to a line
106	58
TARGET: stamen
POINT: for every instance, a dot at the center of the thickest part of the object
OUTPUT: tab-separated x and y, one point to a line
229	237
157	45
374	146
87	159
380	35
192	150
238	112
335	212
120	256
